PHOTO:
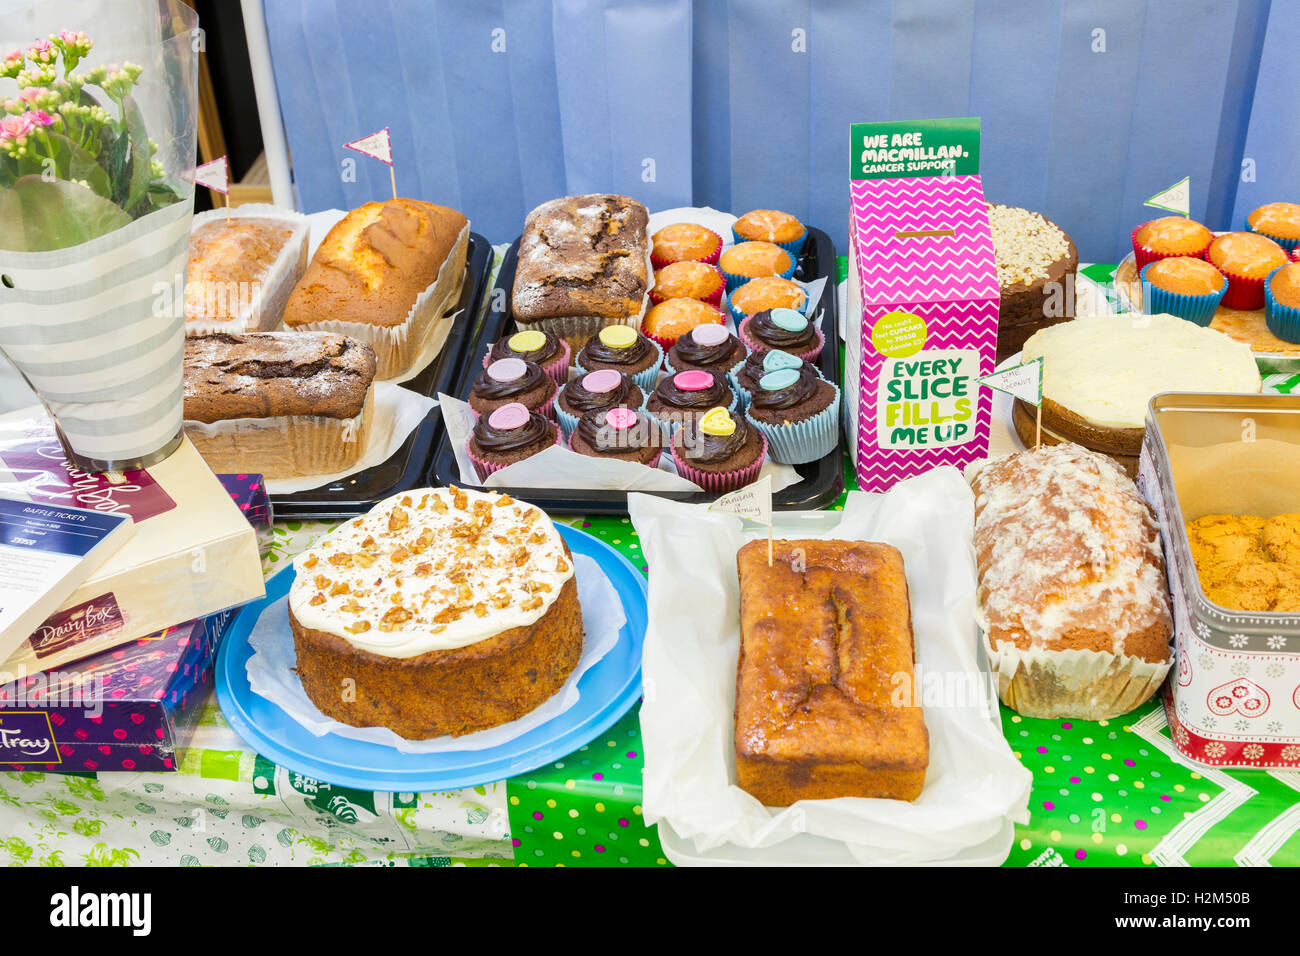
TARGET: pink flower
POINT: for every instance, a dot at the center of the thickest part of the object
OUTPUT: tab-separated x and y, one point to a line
42	118
16	127
32	93
14	56
42	51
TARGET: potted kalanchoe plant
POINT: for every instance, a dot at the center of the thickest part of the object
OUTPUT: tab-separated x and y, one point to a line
94	223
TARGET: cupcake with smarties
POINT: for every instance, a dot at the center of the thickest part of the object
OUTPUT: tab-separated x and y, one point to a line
508	435
545	348
798	413
710	347
718	451
602	389
623	349
687	395
512	380
745	379
624	433
783	329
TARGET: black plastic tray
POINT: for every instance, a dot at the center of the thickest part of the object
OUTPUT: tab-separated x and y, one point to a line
821	481
358	493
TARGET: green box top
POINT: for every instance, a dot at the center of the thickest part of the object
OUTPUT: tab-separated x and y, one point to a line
908	149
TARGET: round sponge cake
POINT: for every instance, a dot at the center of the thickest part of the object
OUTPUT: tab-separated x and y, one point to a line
441	611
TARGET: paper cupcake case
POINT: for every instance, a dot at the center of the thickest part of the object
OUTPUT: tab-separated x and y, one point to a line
797	443
1194	308
1144	256
1073	684
324	445
754	345
397	347
485	467
1292	246
719	482
1282	320
794	246
1244	294
264	311
647	379
735	281
557	368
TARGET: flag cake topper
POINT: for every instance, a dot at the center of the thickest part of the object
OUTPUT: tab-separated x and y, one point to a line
1177	198
1024	382
215	176
753	502
377	146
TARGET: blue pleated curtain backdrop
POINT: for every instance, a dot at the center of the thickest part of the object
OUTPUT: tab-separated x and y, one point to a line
1088	106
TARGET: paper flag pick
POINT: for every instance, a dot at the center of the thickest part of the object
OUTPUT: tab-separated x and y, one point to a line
753	502
376	145
214	175
1177	198
1025	382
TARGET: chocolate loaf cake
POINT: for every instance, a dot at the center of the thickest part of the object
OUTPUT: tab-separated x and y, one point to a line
583	258
1037	267
282	404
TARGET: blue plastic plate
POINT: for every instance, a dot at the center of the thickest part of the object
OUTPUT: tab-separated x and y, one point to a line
606	691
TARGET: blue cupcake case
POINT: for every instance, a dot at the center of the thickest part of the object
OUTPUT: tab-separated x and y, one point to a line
607	691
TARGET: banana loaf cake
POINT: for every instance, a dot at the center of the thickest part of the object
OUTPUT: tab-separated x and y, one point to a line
824	633
281	404
385	274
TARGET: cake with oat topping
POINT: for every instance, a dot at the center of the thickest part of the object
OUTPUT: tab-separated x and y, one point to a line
1037	267
440	611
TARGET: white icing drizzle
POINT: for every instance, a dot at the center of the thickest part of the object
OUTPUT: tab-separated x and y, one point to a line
432	569
1065	544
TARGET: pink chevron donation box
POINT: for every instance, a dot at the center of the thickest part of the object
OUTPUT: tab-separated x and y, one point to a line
922	320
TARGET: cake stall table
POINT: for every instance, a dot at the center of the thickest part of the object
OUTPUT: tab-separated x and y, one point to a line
1105	793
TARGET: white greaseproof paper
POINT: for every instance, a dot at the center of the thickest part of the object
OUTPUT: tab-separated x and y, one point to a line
271	675
974	784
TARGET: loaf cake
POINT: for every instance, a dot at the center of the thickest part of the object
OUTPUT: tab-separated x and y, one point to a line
584	263
1072	594
385	274
441	611
824	630
242	268
1038	264
1099	373
281	404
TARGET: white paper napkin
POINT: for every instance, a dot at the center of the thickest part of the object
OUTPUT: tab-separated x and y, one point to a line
561	468
398	412
271	675
974	784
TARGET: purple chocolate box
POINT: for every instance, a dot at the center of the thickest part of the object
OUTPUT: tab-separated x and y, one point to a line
249	492
130	708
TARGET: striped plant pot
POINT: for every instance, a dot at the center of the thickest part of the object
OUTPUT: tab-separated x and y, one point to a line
98	331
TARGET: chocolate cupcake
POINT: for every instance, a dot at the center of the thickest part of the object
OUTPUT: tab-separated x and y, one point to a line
798	413
783	329
507	435
710	347
687	395
745	379
599	390
623	349
623	433
544	348
718	452
512	380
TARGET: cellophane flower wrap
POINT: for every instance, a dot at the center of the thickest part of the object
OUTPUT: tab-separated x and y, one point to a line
97	134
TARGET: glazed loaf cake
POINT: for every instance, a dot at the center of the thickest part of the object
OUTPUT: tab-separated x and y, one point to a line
282	404
823	632
385	274
1072	593
583	257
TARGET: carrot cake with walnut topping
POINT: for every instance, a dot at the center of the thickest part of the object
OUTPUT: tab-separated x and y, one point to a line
441	611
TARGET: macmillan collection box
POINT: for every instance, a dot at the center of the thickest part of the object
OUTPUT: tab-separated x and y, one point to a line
192	555
922	317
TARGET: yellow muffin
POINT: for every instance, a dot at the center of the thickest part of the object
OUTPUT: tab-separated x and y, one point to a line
685	240
1173	236
1281	220
769	225
1185	275
672	318
755	259
767	292
688	280
1246	254
1285	286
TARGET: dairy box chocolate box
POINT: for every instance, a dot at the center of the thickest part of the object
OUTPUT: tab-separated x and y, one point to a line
192	554
130	708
